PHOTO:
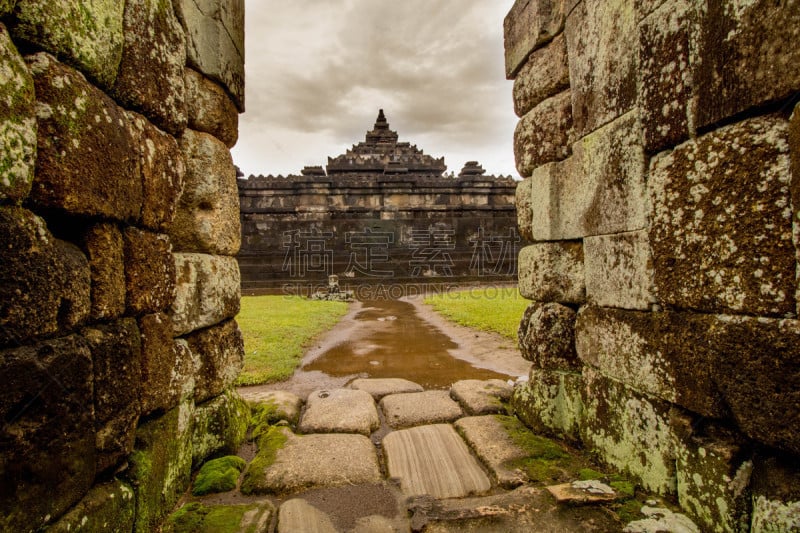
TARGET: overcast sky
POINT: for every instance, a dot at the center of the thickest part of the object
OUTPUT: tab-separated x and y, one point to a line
317	71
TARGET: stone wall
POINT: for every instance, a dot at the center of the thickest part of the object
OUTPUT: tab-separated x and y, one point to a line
376	230
660	144
118	283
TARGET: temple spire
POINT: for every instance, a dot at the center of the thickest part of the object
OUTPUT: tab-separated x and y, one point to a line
381	123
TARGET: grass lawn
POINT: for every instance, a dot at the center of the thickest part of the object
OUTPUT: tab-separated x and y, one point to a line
277	329
497	309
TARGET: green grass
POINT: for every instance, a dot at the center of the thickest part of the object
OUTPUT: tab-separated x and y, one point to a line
497	309
277	330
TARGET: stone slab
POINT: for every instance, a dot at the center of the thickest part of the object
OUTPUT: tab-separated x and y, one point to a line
17	123
380	387
619	270
661	519
544	134
208	290
299	515
546	336
478	397
721	234
286	404
545	74
552	272
433	460
339	411
582	492
417	408
527	26
551	403
313	461
487	437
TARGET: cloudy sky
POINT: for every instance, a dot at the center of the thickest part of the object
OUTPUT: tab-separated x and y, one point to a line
319	70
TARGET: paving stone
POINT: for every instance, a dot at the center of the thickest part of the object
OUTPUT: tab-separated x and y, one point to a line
339	411
299	515
660	519
417	408
491	443
433	460
582	492
313	461
478	397
381	387
287	405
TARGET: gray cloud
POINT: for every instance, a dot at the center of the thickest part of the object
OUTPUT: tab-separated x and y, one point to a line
319	71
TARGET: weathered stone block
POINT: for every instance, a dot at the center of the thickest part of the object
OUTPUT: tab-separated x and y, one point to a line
211	109
619	270
794	185
665	67
665	355
44	282
552	272
85	33
543	135
163	170
219	351
547	337
758	372
220	426
746	57
103	246
545	74
168	366
149	271
17	123
6	6
161	465
87	162
599	190
116	356
215	41
107	507
550	403
629	431
528	25
713	474
208	291
776	498
207	218
603	43
721	234
524	208
48	437
150	78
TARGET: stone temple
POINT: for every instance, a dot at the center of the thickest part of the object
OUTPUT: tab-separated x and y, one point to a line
382	212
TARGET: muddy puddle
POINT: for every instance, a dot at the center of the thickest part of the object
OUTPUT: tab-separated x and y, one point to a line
402	339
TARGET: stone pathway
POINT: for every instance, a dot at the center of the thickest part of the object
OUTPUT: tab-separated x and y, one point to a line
385	456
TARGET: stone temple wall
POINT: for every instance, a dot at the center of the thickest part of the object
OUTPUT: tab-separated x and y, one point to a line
118	282
660	144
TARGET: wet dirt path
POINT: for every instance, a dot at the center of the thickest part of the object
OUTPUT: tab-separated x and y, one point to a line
402	339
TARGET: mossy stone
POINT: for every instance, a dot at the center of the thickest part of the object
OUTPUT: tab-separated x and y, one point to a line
269	442
220	426
109	507
198	518
218	475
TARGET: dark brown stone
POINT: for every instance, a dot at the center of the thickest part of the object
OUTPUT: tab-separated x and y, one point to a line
48	435
721	221
150	78
103	246
544	134
116	356
664	57
747	57
545	74
665	355
164	364
149	271
603	85
163	171
44	282
547	337
211	110
220	354
87	162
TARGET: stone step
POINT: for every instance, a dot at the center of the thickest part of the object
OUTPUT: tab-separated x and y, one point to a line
491	443
286	405
481	397
380	387
419	408
433	460
339	411
298	515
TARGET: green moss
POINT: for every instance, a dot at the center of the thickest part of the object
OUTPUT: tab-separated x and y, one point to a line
585	474
218	475
546	459
269	442
629	511
220	426
263	414
197	518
